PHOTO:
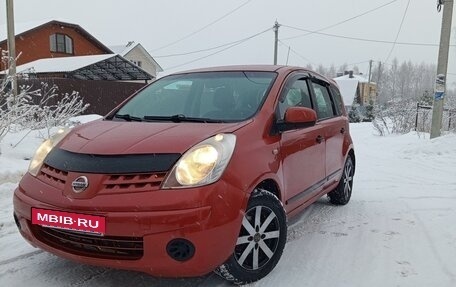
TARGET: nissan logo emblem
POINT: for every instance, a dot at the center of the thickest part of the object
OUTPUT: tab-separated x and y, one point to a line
80	184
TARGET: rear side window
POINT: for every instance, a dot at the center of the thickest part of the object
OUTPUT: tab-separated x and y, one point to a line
324	105
337	100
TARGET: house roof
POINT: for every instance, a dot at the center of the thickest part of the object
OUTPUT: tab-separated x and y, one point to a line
26	27
123	50
94	67
358	78
347	88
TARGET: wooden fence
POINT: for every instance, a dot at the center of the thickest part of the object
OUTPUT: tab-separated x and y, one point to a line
102	96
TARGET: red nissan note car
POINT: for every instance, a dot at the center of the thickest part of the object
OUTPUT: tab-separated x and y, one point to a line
196	172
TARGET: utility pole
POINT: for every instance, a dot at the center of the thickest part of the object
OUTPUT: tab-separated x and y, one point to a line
370	70
442	65
276	41
11	42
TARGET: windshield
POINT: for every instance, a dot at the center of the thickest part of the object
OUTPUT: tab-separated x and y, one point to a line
205	97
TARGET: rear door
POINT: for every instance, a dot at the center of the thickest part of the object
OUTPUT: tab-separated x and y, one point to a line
333	126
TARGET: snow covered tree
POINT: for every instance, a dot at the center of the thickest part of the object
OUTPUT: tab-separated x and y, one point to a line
404	80
321	70
342	68
331	73
43	108
53	109
396	117
14	110
354	115
355	70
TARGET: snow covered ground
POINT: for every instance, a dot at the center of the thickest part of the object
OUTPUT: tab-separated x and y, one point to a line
398	230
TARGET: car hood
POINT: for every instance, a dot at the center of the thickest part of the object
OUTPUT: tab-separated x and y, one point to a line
106	137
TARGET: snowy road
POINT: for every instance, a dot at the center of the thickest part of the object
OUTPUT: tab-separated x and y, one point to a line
398	230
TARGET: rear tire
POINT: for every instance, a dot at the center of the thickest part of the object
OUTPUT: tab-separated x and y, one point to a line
342	193
261	240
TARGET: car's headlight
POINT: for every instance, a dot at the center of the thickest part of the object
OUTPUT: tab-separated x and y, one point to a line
202	164
44	150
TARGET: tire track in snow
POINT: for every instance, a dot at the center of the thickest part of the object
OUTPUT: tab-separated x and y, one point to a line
20	257
90	277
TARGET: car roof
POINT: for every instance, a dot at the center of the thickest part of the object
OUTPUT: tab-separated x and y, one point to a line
259	68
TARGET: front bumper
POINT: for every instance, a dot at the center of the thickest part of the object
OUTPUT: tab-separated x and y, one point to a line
212	229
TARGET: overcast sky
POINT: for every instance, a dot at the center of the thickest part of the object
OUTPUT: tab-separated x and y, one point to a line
156	24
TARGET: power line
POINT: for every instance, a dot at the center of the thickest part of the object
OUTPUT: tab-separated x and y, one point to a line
364	39
296	53
204	27
312	63
219	51
398	32
207	49
342	22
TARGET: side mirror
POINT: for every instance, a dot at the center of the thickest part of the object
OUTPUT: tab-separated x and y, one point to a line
300	116
295	118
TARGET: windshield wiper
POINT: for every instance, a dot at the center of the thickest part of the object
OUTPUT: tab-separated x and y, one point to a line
181	118
128	118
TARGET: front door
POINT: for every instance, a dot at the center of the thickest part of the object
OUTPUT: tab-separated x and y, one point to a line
302	150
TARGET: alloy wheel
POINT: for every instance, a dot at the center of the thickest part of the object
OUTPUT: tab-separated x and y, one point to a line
258	238
348	179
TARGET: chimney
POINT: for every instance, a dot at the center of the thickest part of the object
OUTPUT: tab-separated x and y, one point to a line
350	74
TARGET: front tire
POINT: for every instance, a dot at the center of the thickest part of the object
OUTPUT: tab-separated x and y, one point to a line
342	193
261	240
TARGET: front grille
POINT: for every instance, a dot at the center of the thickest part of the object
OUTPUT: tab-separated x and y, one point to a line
107	247
53	176
133	182
112	183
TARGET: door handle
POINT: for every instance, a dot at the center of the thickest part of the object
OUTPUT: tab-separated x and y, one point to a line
342	130
320	139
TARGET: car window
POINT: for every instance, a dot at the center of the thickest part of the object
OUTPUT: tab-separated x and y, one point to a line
297	95
230	96
324	105
337	100
172	98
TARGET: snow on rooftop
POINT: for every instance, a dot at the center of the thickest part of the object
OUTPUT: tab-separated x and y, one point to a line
62	64
348	86
359	78
347	90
